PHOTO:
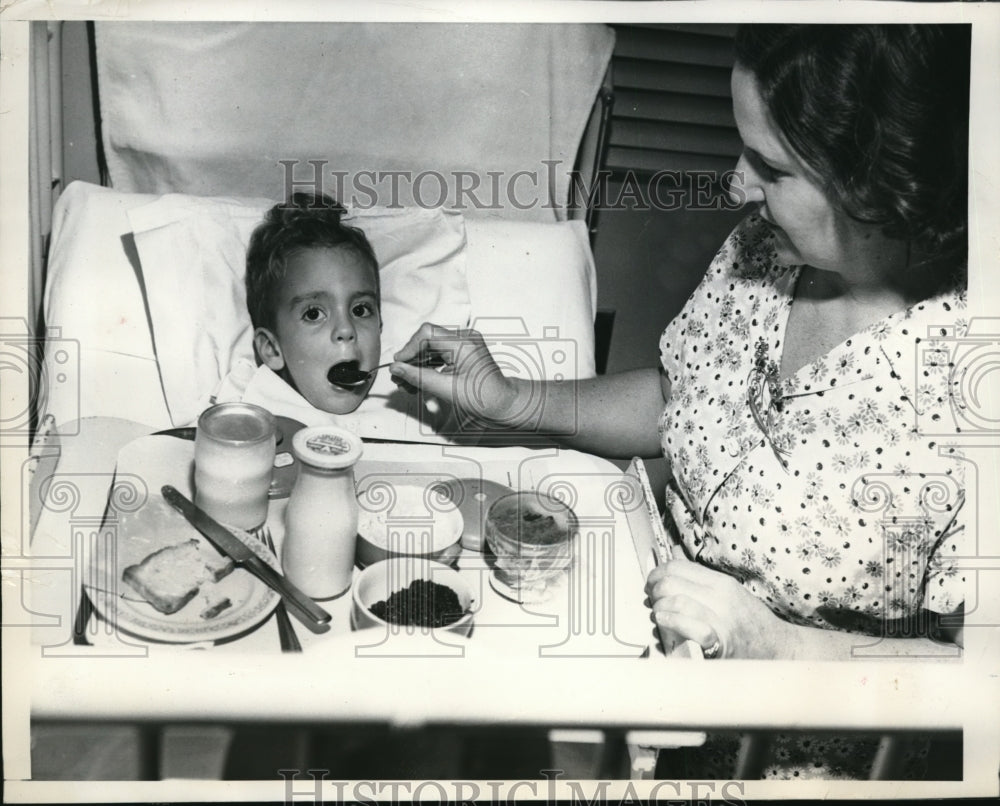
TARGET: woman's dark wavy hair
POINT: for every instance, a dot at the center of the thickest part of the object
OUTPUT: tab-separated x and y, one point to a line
881	112
304	221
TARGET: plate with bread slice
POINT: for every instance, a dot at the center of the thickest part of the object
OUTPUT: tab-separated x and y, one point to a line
164	582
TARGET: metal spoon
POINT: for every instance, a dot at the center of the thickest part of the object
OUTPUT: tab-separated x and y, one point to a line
347	376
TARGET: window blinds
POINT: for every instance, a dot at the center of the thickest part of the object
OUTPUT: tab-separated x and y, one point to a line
672	108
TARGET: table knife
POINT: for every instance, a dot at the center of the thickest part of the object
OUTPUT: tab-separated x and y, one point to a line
307	611
188	433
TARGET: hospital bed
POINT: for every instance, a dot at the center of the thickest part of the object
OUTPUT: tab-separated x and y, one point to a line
203	127
142	309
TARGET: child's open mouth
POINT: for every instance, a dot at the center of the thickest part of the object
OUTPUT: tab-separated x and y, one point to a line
347	375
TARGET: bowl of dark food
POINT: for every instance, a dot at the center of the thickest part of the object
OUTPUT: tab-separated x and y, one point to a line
410	593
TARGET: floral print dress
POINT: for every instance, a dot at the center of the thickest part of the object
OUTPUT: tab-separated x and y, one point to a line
831	494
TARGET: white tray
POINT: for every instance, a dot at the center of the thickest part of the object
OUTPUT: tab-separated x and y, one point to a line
597	610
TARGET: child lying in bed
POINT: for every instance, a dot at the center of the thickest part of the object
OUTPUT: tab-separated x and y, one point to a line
314	299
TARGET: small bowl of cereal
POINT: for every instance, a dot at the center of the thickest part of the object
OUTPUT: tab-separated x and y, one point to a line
407	520
407	594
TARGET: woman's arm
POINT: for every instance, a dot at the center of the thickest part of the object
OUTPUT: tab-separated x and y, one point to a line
705	606
813	643
611	415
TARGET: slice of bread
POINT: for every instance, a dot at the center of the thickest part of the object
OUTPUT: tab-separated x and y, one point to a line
213	610
216	564
171	577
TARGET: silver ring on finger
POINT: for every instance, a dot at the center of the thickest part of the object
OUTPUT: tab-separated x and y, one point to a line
712	652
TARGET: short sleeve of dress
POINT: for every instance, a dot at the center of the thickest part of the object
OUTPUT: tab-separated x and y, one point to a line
671	339
747	252
946	580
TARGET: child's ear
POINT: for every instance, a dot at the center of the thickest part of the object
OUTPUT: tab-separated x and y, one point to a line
268	349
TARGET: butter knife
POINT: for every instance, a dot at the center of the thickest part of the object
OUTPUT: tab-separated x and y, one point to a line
304	608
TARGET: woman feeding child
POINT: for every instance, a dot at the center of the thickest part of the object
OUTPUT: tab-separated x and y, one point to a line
788	397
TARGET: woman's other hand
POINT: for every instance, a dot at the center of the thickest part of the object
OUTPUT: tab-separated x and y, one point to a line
465	373
694	602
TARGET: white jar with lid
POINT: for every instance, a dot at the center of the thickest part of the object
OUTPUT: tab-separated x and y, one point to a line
321	520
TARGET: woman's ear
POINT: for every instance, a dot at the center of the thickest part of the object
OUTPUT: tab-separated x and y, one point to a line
268	349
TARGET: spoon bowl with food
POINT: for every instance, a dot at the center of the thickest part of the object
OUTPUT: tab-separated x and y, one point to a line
349	375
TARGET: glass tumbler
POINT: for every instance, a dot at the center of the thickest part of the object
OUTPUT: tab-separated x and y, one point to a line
234	448
531	535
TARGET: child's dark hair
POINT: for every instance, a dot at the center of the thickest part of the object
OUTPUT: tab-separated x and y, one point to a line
303	222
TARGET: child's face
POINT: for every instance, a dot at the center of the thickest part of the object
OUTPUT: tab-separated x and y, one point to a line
326	313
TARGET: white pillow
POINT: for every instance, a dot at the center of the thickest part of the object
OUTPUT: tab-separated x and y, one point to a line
94	303
193	254
534	285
